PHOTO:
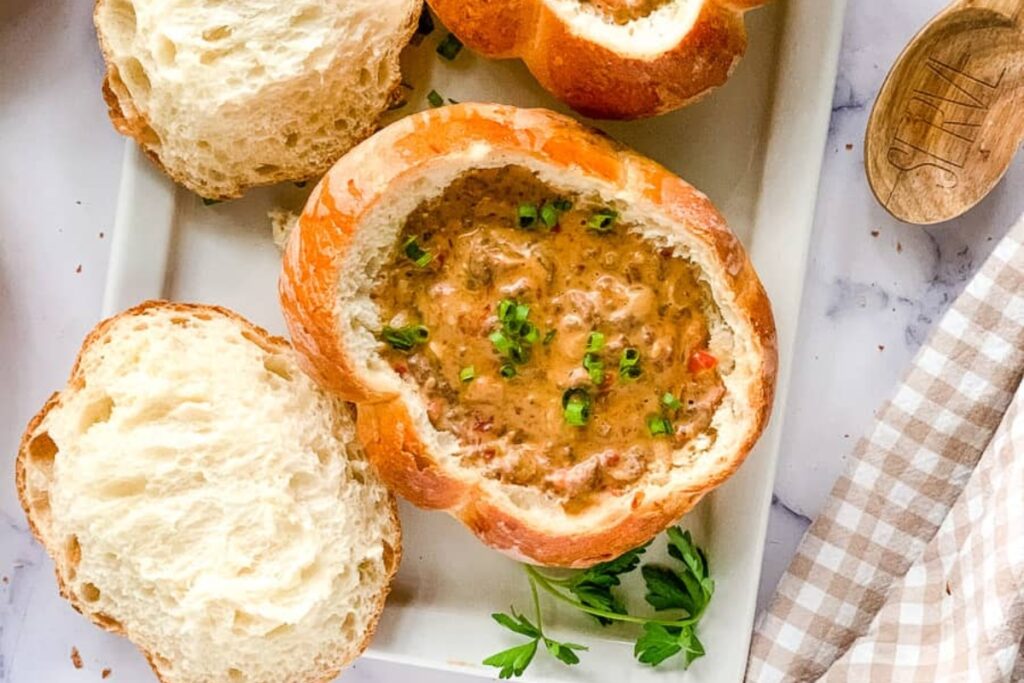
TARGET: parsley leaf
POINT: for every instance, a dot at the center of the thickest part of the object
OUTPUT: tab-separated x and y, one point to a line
665	590
513	661
563	652
593	587
517	623
660	642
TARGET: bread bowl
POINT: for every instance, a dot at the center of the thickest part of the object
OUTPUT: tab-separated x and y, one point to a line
459	218
225	96
614	59
201	496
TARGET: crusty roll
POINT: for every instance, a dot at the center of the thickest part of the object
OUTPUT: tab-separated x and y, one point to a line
233	94
549	336
203	497
611	59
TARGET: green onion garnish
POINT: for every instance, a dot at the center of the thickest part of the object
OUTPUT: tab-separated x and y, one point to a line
594	367
576	406
595	342
467	374
659	425
405	338
527	215
416	253
562	205
549	215
508	371
426	23
450	47
501	342
517	333
670	401
435	99
603	220
548	337
629	368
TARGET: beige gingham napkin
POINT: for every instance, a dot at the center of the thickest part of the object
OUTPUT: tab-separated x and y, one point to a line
915	569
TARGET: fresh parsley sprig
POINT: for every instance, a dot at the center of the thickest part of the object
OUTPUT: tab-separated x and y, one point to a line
685	588
513	661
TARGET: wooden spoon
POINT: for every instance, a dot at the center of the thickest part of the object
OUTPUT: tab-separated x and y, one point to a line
950	116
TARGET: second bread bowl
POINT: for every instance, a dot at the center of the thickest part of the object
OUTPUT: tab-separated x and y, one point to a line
549	336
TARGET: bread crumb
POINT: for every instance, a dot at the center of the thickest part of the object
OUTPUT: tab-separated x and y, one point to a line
5	580
849	146
876	233
79	268
881	347
899	247
101	235
281	223
76	659
105	673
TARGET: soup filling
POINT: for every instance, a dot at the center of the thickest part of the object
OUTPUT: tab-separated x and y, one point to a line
563	351
625	11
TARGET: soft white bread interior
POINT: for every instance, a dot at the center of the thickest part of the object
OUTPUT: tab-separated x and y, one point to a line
201	496
236	93
638	33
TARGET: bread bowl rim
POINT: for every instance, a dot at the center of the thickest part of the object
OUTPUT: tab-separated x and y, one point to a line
314	266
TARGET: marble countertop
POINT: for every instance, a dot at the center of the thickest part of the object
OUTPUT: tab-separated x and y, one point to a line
874	290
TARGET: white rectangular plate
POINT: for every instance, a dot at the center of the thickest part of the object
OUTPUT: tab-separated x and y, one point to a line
755	146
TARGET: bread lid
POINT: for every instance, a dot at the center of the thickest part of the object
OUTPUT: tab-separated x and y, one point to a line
616	59
351	241
202	497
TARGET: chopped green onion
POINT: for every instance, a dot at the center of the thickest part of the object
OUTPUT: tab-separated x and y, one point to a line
417	254
501	342
426	23
549	215
508	371
549	337
405	338
629	368
467	374
603	220
562	205
527	215
450	47
576	406
529	333
594	367
435	99
595	342
670	401
659	425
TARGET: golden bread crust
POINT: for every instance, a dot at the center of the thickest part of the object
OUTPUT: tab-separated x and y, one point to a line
594	79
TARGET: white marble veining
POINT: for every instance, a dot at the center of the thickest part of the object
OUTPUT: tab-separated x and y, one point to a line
874	289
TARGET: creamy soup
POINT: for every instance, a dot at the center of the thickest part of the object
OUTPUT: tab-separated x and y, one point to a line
563	351
625	11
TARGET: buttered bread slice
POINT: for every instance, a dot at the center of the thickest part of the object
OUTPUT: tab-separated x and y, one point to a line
202	497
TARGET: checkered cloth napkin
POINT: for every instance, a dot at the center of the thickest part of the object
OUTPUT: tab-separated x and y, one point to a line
914	572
